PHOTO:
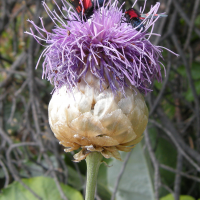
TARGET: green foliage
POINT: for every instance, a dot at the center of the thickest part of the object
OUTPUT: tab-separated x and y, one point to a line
181	21
166	154
182	197
168	108
103	191
44	187
136	182
197	20
158	85
196	77
74	178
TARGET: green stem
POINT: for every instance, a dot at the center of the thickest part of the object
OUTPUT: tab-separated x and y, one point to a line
93	161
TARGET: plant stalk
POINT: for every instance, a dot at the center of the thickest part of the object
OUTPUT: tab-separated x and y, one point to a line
93	161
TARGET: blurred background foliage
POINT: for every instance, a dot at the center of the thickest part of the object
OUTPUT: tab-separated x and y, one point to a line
165	166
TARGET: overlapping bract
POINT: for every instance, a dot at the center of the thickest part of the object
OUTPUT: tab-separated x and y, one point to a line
97	121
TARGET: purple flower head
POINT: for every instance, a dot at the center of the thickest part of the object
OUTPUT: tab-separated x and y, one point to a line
105	45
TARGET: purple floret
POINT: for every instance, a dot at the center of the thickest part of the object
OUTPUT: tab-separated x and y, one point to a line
105	45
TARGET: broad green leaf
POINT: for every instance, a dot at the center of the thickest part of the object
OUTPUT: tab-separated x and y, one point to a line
44	187
186	197
74	178
136	183
182	197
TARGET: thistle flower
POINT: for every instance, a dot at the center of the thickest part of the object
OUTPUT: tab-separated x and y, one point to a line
113	51
98	68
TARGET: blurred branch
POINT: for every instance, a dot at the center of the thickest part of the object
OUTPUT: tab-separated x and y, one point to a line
177	182
18	62
179	172
176	143
155	164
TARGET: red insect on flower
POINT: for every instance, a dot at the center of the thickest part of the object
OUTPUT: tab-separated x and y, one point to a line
86	7
135	18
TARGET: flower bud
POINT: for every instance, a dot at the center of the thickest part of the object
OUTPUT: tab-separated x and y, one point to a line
96	120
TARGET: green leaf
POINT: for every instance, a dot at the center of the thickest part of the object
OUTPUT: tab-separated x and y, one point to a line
186	197
44	187
182	197
136	183
197	23
103	191
74	178
195	76
166	154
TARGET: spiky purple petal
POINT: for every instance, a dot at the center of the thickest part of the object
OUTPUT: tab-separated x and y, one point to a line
109	48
